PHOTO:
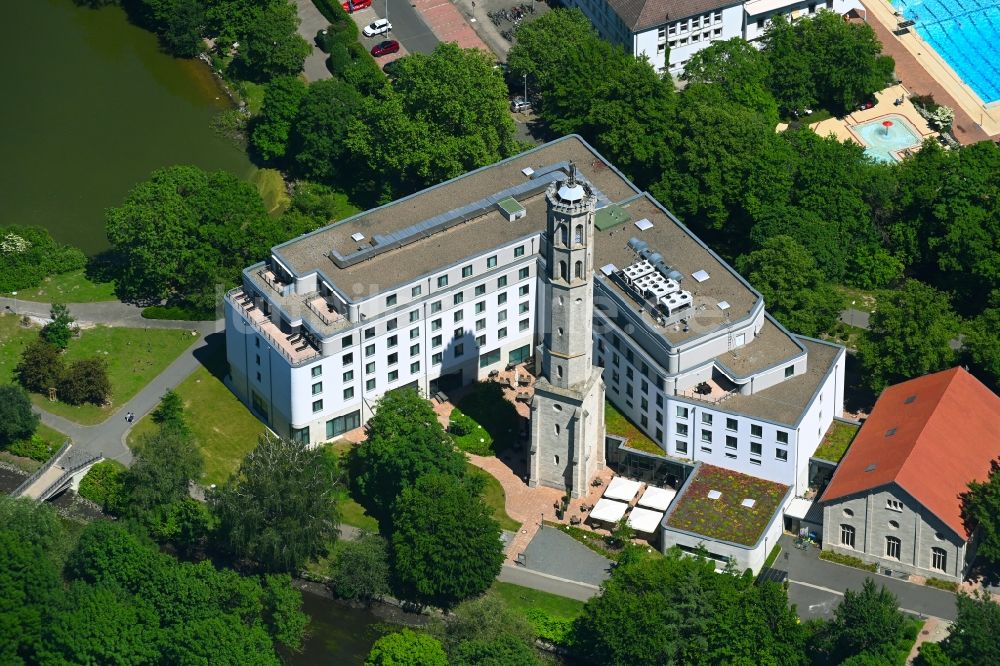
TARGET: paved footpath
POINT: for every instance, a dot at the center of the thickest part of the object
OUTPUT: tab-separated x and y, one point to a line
311	21
108	437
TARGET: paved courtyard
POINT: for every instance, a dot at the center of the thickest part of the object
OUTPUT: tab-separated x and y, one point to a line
556	554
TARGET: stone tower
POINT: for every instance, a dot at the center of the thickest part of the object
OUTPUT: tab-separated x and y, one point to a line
567	413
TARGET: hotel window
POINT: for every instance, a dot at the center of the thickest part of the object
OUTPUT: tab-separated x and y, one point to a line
782	437
812	8
706	449
369	351
414	350
466	271
519	251
644	404
672	29
502	333
894	505
390	300
459	350
346	341
435	307
370	385
706	435
523	325
480	324
414	333
628	372
755	461
730	442
347	359
393	376
523	307
442	281
393	358
502	315
781	454
893	546
682	412
436	325
415	291
682	429
717	32
391	324
756	431
760	23
661	33
706	418
317	370
939	559
659	400
348	376
522	290
369	333
502	298
342	424
414	315
491	262
436	359
480	307
317	406
458	332
258	376
348	393
501	282
643	421
392	341
480	289
459	316
717	16
681	446
415	367
659	417
756	448
317	388
480	340
370	368
847	536
732	424
522	274
436	341
458	298
628	390
615	377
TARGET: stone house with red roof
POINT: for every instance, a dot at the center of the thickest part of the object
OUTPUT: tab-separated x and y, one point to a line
895	499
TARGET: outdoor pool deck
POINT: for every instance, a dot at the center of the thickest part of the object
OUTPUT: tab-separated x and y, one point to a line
923	71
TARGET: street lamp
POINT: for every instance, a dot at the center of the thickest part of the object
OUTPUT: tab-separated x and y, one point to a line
525	76
14	294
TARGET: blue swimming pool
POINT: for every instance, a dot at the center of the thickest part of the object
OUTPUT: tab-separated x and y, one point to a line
966	34
881	142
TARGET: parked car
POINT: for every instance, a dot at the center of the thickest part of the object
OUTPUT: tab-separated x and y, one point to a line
520	105
385	48
379	27
352	6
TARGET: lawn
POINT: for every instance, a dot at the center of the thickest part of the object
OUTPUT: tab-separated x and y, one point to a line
225	429
71	287
835	441
726	518
271	187
134	357
524	599
485	405
495	498
351	512
616	423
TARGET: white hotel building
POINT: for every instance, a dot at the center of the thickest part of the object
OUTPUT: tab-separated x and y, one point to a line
439	288
677	29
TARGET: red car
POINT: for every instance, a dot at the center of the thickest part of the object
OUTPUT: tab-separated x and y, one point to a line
355	5
385	48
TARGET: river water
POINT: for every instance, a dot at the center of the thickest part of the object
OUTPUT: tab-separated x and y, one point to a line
89	107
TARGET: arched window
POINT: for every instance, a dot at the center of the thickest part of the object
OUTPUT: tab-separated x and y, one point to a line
578	269
563	270
578	235
847	536
559	372
893	546
557	432
563	235
939	559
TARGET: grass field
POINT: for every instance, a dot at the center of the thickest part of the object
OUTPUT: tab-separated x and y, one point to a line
616	423
495	498
72	287
225	429
524	598
271	187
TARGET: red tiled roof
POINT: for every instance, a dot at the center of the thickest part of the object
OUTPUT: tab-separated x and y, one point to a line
931	445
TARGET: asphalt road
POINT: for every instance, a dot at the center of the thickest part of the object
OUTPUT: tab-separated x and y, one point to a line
551	584
407	26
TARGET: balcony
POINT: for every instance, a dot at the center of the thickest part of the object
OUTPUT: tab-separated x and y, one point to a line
712	391
272	280
322	309
296	347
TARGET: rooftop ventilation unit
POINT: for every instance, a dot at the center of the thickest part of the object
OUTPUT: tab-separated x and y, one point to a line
700	276
644	224
527	171
608	269
714	494
723	305
637	246
748	503
357	237
511	209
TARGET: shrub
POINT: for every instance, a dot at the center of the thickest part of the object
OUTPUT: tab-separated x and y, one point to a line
17	420
941	584
34	447
360	570
85	380
461	424
58	332
847	560
29	254
40	367
103	485
555	630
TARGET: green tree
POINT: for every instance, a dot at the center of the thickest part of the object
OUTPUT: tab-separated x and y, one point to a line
972	639
271	128
40	367
17	419
183	232
485	620
504	650
932	654
170	411
789	77
738	71
30	254
317	142
444	114
37	525
279	509
28	584
406	648
405	441
866	621
909	336
794	290
85	380
272	46
164	464
58	331
283	610
103	485
981	513
982	343
446	543
360	568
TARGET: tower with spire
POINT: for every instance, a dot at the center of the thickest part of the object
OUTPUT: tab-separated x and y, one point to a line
567	412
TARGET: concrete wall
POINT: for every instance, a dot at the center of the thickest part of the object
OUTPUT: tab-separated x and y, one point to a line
917	529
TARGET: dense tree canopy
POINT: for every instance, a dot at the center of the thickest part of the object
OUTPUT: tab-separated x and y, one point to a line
40	366
981	513
29	254
972	638
272	126
360	568
17	418
271	47
867	627
406	648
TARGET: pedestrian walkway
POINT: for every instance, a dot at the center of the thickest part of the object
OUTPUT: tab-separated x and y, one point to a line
311	21
448	24
554	553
